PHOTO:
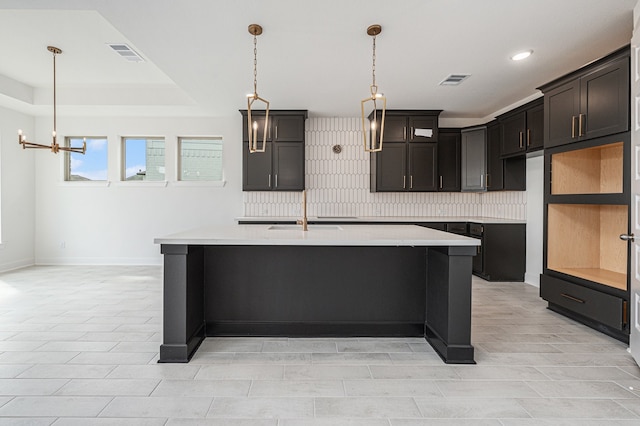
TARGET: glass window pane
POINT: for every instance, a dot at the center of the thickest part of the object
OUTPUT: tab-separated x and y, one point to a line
91	165
144	159
201	159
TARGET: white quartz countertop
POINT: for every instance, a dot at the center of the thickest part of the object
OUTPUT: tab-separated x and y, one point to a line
318	235
381	219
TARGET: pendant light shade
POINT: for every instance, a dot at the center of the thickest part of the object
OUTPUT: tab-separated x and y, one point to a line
253	100
377	101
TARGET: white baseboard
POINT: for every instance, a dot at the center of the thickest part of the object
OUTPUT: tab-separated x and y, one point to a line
18	264
532	279
88	261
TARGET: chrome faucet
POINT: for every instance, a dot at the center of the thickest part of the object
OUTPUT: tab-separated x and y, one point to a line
303	221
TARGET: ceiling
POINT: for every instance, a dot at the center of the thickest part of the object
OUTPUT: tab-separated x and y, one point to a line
312	55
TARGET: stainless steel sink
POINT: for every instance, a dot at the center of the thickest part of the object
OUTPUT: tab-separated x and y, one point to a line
299	228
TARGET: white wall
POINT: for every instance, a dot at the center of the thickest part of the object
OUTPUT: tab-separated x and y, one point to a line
96	223
17	202
535	223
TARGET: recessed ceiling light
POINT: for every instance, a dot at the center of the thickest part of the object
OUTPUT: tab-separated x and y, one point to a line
521	55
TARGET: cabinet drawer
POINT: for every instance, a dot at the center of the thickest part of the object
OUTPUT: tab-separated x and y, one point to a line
601	307
457	228
476	229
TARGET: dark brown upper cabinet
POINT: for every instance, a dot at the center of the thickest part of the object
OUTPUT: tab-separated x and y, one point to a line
409	157
449	160
589	103
522	129
281	167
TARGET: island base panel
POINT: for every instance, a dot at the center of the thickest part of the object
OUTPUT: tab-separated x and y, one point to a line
448	323
322	329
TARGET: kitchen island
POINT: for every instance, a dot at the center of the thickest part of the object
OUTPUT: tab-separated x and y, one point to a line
332	280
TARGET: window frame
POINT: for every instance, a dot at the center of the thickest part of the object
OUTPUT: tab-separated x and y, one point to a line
123	162
66	173
179	180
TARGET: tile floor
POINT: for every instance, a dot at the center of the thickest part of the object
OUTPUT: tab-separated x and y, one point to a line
78	346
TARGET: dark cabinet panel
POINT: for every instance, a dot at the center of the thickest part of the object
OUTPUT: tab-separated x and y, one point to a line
391	168
288	166
256	169
449	160
513	133
535	127
395	128
423	165
423	129
523	129
502	253
287	128
561	107
590	103
495	164
281	167
604	101
473	162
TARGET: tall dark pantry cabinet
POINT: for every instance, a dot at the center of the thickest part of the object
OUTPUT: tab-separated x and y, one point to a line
587	195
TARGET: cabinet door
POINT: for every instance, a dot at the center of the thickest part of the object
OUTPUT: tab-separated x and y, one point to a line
535	128
604	101
395	128
256	169
391	168
423	164
449	161
514	134
473	160
288	166
288	128
495	164
259	120
423	129
561	110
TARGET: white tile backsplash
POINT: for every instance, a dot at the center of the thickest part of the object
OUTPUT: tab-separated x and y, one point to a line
338	185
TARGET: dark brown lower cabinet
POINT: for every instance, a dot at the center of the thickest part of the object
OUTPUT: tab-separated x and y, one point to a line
502	253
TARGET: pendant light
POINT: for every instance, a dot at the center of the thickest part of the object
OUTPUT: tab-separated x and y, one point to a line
252	126
377	99
54	147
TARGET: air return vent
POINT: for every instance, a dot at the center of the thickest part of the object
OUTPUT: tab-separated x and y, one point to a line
454	79
126	52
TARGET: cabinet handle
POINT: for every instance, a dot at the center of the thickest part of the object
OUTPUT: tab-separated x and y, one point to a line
404	133
440	181
627	237
528	137
575	299
573	126
269	180
481	180
411	182
276	132
404	182
520	140
276	180
580	133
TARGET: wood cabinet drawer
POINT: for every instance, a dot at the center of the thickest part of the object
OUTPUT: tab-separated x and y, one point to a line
601	307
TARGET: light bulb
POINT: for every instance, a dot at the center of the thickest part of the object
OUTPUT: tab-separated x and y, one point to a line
53	133
373	125
19	132
255	125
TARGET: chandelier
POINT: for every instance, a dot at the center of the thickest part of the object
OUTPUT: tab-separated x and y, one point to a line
54	147
375	141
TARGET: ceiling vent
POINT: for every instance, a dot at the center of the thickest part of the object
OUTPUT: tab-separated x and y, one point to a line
126	52
454	79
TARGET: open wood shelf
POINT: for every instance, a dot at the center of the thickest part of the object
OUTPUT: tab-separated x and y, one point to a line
602	276
594	170
584	241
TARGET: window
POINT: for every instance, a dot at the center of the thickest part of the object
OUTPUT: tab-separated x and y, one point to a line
143	159
200	159
90	166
